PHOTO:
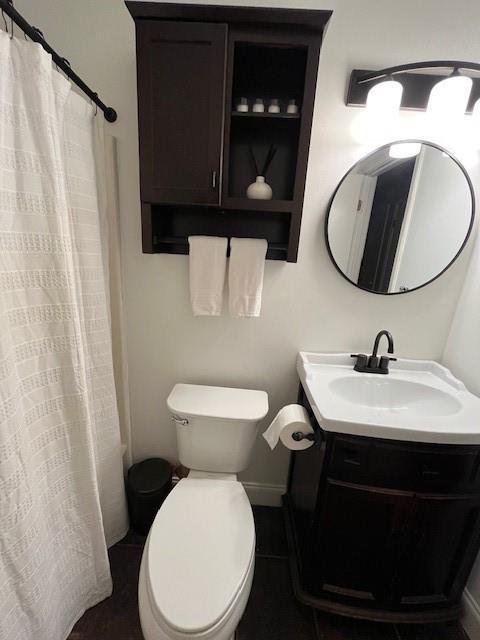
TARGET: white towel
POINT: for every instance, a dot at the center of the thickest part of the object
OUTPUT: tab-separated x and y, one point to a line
208	261
245	276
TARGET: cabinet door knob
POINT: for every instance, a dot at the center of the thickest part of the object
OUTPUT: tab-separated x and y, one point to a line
426	471
214	179
352	461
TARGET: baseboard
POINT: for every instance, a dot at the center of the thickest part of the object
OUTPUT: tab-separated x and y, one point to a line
471	616
267	495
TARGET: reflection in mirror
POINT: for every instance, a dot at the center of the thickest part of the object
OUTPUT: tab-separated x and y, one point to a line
400	217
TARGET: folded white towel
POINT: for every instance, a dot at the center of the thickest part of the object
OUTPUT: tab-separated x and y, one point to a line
208	261
245	276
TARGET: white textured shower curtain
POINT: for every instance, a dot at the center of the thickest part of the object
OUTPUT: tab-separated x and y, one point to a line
61	484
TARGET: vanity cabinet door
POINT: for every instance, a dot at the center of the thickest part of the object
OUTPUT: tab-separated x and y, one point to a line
359	542
181	86
444	536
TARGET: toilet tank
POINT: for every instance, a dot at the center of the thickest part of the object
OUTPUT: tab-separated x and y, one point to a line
216	426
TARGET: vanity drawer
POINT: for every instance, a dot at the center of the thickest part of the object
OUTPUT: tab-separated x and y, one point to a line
436	469
406	466
350	460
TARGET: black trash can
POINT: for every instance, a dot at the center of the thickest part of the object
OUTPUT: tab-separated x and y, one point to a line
148	484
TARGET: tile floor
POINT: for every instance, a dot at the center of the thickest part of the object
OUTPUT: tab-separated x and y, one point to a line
272	612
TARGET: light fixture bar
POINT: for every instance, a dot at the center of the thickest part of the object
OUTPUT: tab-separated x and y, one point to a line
416	86
414	66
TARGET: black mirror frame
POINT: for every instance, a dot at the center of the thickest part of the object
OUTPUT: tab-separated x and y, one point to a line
462	247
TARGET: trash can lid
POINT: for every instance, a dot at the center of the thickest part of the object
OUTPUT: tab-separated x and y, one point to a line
149	476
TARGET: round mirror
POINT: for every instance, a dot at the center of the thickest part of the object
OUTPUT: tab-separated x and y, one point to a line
400	217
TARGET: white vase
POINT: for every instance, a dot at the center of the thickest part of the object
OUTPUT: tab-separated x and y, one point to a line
259	190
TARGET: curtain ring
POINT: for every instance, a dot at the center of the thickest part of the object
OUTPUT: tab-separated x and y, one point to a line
96	105
5	22
10	2
64	60
67	62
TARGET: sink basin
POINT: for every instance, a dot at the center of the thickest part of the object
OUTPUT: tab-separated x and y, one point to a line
419	400
384	392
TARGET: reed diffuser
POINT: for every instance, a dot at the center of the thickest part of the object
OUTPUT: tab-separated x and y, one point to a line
260	189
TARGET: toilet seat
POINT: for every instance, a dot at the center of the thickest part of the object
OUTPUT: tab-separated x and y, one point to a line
199	555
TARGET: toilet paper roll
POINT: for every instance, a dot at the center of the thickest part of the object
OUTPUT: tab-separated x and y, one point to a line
291	418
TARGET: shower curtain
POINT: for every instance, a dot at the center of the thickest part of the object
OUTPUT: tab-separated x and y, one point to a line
61	480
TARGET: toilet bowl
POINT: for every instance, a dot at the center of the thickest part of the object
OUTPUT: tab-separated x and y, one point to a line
198	562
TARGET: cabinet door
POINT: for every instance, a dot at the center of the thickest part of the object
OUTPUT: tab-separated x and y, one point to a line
181	79
444	536
359	542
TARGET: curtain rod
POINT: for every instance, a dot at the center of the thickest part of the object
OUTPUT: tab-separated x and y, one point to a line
6	6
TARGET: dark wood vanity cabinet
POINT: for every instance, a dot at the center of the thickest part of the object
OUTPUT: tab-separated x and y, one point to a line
381	529
194	64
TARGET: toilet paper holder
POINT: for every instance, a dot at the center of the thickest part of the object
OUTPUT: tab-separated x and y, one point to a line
315	437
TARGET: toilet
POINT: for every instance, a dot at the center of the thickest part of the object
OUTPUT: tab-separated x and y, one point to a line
197	565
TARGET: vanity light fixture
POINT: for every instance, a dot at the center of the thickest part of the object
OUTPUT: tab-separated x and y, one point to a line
443	88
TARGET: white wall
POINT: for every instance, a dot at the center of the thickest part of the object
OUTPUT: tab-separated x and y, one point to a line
306	305
462	356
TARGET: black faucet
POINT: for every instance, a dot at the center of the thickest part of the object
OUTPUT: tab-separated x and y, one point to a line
374	363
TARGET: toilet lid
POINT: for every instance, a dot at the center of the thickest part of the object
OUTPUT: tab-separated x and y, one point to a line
199	552
225	403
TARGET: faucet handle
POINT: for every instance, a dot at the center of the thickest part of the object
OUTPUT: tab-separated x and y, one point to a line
384	360
362	360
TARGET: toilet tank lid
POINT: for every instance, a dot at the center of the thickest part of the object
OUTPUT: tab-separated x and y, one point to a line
218	402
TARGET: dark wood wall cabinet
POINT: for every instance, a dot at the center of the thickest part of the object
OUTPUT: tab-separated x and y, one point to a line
382	529
194	63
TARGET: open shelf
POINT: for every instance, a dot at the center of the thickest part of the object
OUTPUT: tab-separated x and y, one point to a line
248	204
179	246
171	225
258	134
268	71
265	71
253	114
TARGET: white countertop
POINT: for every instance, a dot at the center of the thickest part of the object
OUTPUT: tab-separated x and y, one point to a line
419	400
